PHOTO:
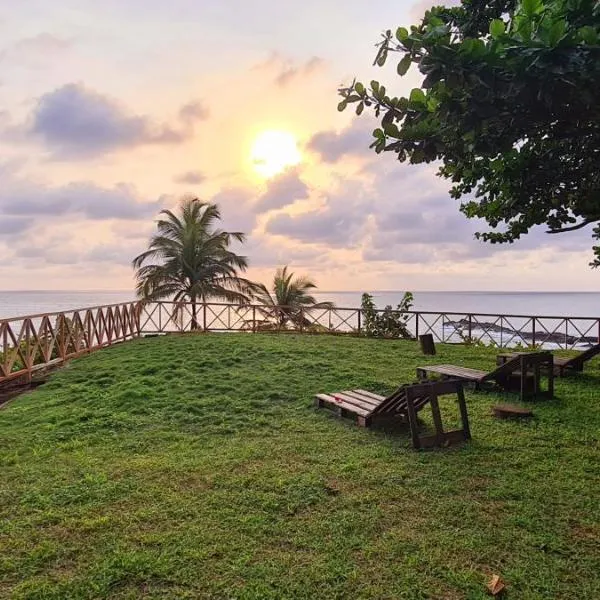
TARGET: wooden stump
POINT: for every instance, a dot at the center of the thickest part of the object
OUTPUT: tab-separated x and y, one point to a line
510	411
427	344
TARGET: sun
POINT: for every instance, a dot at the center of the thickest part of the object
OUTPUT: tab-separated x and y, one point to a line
274	151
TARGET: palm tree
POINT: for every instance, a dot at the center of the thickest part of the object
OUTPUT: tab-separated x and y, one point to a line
190	260
289	299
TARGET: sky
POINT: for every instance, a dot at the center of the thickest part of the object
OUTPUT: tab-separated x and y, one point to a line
112	111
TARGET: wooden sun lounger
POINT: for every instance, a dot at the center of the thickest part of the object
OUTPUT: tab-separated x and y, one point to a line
521	373
562	365
368	408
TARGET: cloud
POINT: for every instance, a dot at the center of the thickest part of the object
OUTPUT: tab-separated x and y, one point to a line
67	250
84	199
190	178
75	122
34	52
283	190
354	140
237	209
340	223
10	226
42	43
194	111
287	71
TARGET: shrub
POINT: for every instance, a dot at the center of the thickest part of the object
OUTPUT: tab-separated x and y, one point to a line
389	323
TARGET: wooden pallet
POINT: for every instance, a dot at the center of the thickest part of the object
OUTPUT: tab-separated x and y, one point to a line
368	408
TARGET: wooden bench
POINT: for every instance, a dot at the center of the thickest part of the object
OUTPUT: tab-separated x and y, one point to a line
403	404
522	373
561	365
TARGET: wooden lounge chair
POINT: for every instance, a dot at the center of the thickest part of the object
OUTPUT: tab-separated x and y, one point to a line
368	408
521	373
562	365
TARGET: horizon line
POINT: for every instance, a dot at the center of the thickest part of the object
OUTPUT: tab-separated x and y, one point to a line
318	291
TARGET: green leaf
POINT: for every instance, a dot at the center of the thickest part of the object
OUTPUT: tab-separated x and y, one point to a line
557	32
417	96
360	108
342	105
391	129
404	65
375	86
359	87
381	58
588	35
401	34
532	7
497	28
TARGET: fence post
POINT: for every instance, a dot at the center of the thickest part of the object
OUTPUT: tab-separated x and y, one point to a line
301	320
359	321
28	353
254	319
533	331
417	315
204	315
470	328
90	343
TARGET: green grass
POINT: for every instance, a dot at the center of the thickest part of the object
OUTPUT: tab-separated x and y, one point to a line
197	467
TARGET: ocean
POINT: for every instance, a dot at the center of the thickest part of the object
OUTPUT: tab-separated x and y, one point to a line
578	304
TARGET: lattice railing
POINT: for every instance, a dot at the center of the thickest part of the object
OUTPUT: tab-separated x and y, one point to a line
506	331
33	342
28	343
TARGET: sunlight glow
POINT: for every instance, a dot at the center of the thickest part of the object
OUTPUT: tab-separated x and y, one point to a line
273	151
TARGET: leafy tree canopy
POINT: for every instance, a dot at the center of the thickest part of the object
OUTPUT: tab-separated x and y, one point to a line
510	105
290	299
189	259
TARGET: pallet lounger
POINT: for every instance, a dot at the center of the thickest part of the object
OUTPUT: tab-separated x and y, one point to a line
521	373
368	408
561	365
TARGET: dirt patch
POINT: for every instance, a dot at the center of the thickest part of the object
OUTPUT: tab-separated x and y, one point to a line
10	392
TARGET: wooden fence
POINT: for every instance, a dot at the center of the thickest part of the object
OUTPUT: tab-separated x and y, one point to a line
38	341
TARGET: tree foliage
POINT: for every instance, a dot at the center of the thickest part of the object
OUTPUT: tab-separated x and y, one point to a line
289	300
189	259
510	105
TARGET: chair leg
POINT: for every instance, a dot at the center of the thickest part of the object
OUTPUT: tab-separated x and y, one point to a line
437	419
414	425
462	405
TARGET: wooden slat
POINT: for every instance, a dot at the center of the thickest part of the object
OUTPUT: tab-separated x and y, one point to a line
455	371
371	395
333	402
362	398
354	401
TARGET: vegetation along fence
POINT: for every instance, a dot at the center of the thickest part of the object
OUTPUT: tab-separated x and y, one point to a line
38	341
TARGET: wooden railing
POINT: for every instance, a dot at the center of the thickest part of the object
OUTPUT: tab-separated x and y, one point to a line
38	341
501	330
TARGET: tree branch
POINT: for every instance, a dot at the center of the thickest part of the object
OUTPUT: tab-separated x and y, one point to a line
574	227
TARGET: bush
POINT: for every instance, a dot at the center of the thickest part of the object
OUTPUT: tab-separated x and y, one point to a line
388	323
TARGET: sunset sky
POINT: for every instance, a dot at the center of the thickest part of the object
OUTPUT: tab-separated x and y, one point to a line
113	110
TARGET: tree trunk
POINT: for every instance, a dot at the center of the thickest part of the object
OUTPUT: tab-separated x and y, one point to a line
194	314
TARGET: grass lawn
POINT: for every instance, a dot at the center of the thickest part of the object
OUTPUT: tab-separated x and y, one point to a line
197	467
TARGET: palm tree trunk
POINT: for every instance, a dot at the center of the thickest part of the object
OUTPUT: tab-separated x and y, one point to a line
194	314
